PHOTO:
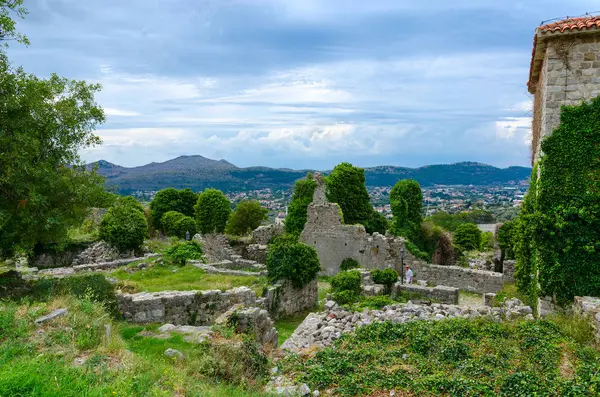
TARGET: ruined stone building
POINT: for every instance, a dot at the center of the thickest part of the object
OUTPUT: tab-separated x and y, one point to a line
565	70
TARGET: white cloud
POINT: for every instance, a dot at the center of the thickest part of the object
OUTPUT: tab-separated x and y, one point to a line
508	127
120	112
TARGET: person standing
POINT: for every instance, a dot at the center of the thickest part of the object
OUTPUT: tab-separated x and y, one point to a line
409	275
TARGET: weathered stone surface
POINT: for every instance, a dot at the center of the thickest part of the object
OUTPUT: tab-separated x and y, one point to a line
51	316
478	281
439	293
182	307
222	268
256	322
264	234
589	306
508	271
174	354
257	252
489	299
283	299
97	252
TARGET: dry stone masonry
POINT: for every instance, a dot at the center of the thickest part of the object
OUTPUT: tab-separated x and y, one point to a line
589	306
439	293
283	299
478	281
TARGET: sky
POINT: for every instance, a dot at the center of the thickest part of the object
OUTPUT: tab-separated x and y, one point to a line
299	83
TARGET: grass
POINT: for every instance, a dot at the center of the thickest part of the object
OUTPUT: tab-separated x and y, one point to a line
466	298
185	278
286	326
455	357
72	356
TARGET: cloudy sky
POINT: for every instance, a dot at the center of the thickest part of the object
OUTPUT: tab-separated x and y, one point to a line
299	83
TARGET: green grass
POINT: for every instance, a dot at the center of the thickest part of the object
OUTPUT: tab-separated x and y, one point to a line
286	326
185	278
455	357
324	289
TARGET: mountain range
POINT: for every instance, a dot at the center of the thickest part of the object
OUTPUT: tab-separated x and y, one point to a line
199	173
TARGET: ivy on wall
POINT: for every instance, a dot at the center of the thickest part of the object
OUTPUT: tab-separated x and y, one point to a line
558	231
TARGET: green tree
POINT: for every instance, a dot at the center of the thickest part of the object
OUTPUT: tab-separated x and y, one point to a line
304	191
505	239
346	187
376	223
132	202
8	25
212	211
291	260
467	237
124	226
44	187
171	199
247	216
406	201
178	225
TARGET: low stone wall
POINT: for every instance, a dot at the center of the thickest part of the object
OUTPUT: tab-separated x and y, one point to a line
91	267
78	254
589	306
222	268
508	271
256	321
471	280
182	307
264	234
256	252
440	293
283	299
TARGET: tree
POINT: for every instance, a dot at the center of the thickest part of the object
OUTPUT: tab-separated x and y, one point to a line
406	200
178	225
467	237
212	211
124	226
247	216
304	190
171	199
45	188
346	187
132	202
7	24
505	239
291	260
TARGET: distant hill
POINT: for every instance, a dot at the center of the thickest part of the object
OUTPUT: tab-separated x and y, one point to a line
199	173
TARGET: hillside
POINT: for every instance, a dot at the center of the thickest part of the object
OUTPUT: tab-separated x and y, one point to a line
198	173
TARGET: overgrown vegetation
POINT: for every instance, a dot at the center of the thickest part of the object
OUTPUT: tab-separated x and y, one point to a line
247	216
456	357
124	226
171	199
212	211
348	264
304	190
345	287
291	260
387	277
467	237
179	253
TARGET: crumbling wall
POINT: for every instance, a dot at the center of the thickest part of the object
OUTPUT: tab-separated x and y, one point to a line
508	271
335	241
439	293
283	299
472	280
183	307
264	234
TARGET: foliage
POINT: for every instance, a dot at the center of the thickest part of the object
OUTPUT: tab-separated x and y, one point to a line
451	221
455	357
565	221
212	211
124	226
346	287
413	249
180	253
428	237
386	277
406	201
131	202
375	302
348	264
505	239
467	237
487	241
304	191
44	187
176	224
171	199
291	260
377	223
247	216
444	253
8	29
346	187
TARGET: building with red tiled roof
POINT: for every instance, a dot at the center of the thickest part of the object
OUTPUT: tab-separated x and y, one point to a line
564	70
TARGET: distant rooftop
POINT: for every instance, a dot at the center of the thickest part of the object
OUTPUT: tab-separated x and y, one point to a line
589	23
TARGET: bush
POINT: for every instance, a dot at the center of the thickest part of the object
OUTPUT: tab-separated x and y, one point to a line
413	249
487	241
247	216
346	187
170	199
124	227
376	223
505	239
176	224
347	281
291	260
386	277
376	302
180	253
467	237
345	297
348	264
212	211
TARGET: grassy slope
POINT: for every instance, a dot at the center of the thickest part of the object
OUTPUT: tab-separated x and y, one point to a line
161	278
457	358
41	361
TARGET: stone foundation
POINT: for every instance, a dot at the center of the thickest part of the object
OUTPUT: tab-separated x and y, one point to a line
283	299
471	280
79	254
182	307
508	271
440	293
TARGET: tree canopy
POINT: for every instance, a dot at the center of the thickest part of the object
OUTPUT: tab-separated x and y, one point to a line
212	211
171	199
304	190
247	216
406	200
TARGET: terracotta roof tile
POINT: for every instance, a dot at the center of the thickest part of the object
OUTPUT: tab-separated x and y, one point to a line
569	25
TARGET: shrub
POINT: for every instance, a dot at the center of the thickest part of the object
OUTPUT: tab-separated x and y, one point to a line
247	216
487	241
170	199
413	249
376	302
176	224
347	281
467	237
376	223
291	260
304	191
124	227
386	277
444	251
212	211
180	253
505	239
345	297
348	264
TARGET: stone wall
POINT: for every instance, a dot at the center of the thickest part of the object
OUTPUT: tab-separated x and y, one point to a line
335	241
256	321
508	271
283	299
182	307
472	280
264	234
78	254
570	74
589	306
256	252
439	293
